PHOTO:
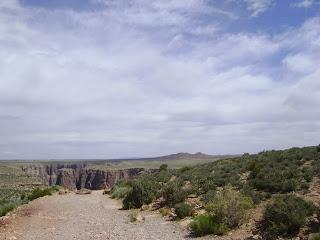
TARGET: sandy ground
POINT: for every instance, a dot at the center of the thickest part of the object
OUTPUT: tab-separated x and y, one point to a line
83	217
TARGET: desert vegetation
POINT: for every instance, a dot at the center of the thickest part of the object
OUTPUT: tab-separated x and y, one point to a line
38	192
18	187
10	202
285	215
216	198
226	192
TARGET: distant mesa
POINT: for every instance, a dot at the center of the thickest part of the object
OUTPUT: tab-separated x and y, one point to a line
184	155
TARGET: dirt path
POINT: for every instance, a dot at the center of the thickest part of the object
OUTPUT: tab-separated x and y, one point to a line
83	217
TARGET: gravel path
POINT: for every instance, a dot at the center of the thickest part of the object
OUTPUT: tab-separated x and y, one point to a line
83	217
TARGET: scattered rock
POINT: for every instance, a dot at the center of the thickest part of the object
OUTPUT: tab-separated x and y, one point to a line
140	218
135	216
172	216
156	205
63	192
107	191
192	196
253	237
83	191
145	207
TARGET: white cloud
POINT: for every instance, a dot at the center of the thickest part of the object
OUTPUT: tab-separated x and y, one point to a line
115	83
301	63
9	5
303	4
257	7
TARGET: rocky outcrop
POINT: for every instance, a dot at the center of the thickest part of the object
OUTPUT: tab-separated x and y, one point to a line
78	176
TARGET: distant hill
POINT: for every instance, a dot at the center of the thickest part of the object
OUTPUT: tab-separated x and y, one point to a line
175	156
176	160
188	156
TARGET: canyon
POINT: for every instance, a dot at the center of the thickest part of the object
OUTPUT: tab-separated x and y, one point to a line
79	175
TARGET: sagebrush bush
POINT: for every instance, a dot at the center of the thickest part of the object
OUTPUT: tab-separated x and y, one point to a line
206	224
201	184
163	167
257	177
250	192
143	192
314	236
209	196
230	207
280	171
275	180
164	212
120	192
163	176
285	215
307	174
183	210
37	193
5	208
174	193
12	199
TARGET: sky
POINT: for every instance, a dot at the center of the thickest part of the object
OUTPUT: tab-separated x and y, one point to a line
140	78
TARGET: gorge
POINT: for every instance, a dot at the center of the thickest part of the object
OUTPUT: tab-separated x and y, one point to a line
79	175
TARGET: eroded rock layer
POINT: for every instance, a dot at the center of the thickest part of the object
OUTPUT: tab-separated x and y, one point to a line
77	176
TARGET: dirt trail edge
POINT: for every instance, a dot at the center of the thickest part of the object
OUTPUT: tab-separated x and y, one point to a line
83	217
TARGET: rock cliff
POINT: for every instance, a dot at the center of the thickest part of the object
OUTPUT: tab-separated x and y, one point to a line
77	176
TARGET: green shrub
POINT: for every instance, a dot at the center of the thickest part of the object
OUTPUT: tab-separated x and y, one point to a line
143	192
250	192
307	174
37	193
267	195
164	212
205	224
120	192
23	196
174	193
185	169
254	168
206	184
276	180
285	215
230	208
163	167
163	176
316	168
120	183
9	200
183	210
305	186
314	236
5	208
55	188
209	196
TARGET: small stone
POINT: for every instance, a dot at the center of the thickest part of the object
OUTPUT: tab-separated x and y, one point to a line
140	218
192	196
253	237
144	207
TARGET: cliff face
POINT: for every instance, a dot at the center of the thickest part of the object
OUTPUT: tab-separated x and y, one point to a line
77	176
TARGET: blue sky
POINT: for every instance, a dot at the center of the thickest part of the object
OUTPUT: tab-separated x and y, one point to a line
272	16
137	78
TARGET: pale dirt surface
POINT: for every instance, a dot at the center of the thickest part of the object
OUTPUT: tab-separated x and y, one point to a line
83	217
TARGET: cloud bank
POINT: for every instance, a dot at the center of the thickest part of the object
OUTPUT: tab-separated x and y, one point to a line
145	78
